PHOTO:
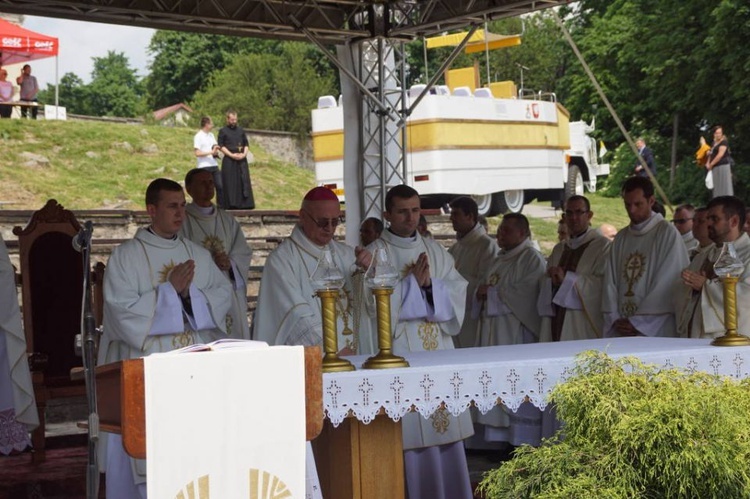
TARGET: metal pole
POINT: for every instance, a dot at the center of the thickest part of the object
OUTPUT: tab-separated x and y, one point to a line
611	109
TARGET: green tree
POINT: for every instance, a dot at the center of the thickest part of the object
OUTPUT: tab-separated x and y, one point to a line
268	91
72	94
183	63
114	89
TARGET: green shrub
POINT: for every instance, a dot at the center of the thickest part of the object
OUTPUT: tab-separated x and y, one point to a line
634	431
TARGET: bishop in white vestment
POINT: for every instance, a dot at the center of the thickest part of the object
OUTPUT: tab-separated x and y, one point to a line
218	232
570	296
700	293
427	310
645	261
161	292
18	413
288	311
473	252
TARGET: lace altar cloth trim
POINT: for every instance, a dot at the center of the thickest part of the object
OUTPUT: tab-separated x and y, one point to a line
13	435
508	373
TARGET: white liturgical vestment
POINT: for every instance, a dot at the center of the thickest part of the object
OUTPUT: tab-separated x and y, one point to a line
218	231
143	314
18	413
288	311
579	297
421	324
473	254
509	315
701	313
644	263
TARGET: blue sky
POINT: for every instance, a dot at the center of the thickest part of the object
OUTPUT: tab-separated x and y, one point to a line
80	41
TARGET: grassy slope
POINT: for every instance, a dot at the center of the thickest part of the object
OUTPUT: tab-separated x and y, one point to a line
117	178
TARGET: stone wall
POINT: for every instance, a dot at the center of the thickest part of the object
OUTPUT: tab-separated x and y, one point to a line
287	147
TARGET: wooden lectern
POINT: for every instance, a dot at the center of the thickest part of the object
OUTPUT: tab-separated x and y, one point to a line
121	399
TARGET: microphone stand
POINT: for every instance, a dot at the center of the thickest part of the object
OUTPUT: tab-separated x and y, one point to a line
88	333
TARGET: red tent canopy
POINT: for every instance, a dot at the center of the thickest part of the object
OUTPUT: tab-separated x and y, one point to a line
21	45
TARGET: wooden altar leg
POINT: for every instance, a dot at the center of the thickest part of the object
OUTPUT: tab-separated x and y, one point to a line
361	461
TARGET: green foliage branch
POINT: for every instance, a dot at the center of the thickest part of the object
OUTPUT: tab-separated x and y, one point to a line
634	430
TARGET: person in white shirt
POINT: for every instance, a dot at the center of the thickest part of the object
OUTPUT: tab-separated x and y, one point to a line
206	151
29	89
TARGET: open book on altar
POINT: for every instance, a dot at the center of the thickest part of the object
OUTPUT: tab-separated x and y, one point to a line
222	344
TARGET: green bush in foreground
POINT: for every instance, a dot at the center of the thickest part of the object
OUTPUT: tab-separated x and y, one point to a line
634	431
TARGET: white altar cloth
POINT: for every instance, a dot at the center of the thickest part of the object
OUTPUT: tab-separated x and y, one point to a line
510	373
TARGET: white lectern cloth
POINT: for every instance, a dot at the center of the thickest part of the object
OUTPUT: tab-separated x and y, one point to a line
226	424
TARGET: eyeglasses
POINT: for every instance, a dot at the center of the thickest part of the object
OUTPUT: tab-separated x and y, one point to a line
680	221
324	222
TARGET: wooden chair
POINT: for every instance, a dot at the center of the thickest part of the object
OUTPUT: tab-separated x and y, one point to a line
52	290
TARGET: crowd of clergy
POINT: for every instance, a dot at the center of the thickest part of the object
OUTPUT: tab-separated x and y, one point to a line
182	280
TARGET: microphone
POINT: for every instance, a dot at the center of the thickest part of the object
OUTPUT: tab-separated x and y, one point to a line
83	238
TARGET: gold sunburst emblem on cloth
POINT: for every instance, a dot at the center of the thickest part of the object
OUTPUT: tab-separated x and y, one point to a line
197	489
428	333
213	244
165	270
494	279
264	485
635	266
441	420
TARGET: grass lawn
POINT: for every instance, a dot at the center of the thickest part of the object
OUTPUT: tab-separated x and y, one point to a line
98	165
92	165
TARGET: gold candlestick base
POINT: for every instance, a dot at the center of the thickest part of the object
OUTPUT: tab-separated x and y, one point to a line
385	358
385	361
331	361
731	340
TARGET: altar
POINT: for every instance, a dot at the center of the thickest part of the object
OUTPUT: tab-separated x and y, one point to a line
363	407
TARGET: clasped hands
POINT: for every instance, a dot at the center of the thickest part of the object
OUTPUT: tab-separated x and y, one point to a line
181	277
694	280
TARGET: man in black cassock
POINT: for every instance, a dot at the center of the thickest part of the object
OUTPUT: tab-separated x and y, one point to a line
235	174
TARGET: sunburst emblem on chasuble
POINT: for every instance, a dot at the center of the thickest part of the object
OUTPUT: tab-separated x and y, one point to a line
261	485
165	270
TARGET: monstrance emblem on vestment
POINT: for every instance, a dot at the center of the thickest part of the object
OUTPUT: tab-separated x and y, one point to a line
493	280
213	244
635	265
